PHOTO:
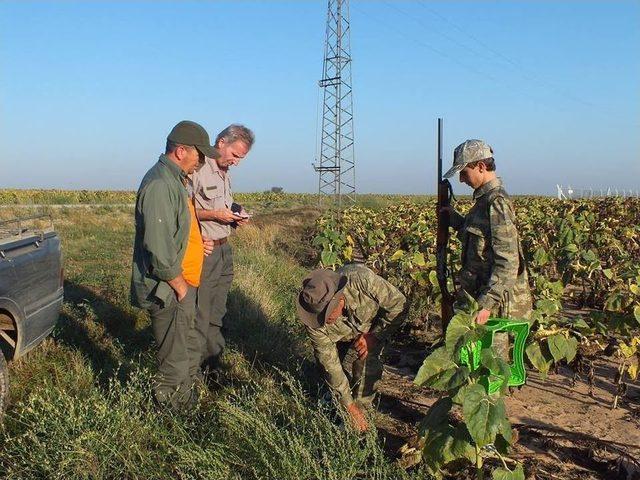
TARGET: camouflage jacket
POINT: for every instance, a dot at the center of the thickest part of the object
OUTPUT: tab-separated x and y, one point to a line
493	266
373	305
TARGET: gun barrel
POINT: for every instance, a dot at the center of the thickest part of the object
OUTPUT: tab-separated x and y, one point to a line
439	150
442	238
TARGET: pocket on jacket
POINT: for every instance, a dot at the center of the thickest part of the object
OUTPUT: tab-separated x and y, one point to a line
475	245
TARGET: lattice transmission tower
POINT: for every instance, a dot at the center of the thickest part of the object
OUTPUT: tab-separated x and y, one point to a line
336	168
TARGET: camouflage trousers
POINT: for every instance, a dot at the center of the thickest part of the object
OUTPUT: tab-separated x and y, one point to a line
519	308
363	375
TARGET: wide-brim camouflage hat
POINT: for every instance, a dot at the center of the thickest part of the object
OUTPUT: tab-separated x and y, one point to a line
468	152
193	134
320	295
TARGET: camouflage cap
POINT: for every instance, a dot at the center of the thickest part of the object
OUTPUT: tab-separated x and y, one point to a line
468	152
319	296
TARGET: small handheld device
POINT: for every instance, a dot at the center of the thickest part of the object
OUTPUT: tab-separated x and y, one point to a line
238	211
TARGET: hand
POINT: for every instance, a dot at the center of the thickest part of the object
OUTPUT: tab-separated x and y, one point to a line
227	216
181	292
364	343
245	217
483	316
180	287
208	245
357	418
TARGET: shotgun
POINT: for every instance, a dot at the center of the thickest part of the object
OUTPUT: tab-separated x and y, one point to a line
444	200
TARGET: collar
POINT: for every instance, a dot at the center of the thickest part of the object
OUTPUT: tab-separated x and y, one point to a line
173	168
215	168
487	187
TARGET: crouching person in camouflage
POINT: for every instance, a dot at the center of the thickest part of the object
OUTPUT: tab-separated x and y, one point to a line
493	266
349	314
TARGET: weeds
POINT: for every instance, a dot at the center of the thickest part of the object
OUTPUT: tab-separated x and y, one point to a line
81	403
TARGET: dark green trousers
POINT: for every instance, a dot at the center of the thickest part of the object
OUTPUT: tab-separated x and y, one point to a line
178	350
215	283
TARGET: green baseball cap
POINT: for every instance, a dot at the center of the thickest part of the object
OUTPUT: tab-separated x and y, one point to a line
193	134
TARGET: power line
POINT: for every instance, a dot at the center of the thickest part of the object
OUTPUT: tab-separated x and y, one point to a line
463	65
528	74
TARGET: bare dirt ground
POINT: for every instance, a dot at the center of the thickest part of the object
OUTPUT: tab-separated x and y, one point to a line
565	430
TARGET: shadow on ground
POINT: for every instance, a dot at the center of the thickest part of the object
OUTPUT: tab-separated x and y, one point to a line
267	342
102	331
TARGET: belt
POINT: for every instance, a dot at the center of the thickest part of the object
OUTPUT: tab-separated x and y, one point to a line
221	241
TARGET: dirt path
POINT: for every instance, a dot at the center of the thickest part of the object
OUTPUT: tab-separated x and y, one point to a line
564	430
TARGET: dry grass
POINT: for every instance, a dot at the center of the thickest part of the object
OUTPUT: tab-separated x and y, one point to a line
81	404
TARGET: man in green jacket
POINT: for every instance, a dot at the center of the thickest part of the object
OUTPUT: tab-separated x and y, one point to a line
161	281
493	267
359	310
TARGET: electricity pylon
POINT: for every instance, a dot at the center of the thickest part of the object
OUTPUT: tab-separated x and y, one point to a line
336	170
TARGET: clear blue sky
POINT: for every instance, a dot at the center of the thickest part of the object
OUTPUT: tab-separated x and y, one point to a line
89	90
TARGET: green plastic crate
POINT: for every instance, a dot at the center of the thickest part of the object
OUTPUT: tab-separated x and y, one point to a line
471	356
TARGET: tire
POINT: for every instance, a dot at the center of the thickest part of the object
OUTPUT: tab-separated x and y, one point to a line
4	384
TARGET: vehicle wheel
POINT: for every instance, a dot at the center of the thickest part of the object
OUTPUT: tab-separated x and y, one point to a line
4	384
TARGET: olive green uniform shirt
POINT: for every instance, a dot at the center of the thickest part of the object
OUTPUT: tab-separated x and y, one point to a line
373	305
493	266
211	190
162	231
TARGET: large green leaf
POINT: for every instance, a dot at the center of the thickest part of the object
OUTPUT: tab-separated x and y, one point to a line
444	444
506	431
538	358
461	330
558	346
328	258
320	241
458	398
547	306
397	255
572	348
462	443
483	415
418	259
450	379
636	313
504	439
500	370
589	256
541	257
614	302
438	414
580	324
434	367
505	474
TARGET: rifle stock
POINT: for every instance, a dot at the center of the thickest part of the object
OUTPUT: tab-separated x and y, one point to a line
442	239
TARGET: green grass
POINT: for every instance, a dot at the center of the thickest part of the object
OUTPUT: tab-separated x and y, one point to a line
81	406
